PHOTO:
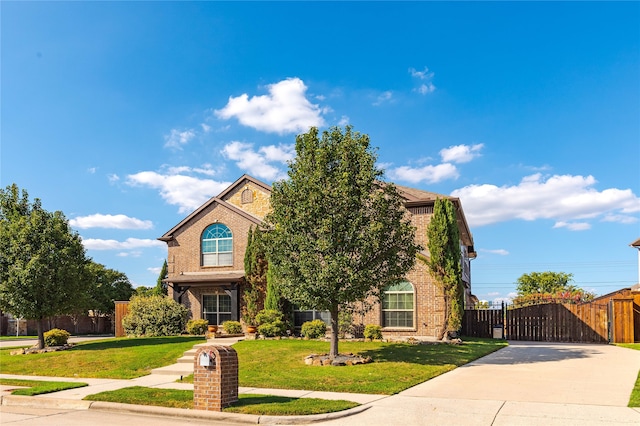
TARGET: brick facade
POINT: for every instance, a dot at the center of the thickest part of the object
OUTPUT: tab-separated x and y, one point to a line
244	204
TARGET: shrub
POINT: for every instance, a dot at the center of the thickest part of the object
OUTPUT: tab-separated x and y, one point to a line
270	323
232	327
197	327
373	332
314	329
345	323
155	316
56	337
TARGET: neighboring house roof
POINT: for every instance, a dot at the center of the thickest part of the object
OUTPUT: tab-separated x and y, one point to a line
418	197
636	243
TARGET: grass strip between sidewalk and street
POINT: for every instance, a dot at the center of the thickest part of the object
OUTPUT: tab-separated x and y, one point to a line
634	399
247	403
39	387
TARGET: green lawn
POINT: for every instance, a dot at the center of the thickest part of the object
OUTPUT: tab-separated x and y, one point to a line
247	404
634	399
397	366
124	358
39	387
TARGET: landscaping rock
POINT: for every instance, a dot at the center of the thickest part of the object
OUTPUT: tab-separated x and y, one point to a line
340	360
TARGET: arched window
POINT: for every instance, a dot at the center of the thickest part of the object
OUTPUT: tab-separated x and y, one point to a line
217	246
397	305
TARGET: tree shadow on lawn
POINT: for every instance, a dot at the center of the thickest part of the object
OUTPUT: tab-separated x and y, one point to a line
429	354
126	342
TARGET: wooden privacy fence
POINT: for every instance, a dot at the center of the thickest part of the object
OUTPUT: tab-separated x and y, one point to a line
596	322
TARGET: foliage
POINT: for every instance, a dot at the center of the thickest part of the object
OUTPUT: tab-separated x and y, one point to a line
255	270
155	316
278	364
123	358
232	327
143	291
272	299
56	337
250	308
43	266
544	282
444	263
197	327
562	296
161	287
373	332
345	323
247	403
108	286
314	329
39	387
338	234
270	323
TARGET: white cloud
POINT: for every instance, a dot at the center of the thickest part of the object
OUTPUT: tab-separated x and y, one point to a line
256	163
155	271
92	170
619	218
118	221
383	97
129	243
573	226
563	198
429	173
113	178
344	120
501	252
205	127
425	77
425	88
284	110
460	153
186	192
177	138
134	253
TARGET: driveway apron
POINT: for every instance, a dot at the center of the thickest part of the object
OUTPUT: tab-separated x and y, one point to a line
542	372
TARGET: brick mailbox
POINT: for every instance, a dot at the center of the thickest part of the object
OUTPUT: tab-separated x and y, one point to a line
215	378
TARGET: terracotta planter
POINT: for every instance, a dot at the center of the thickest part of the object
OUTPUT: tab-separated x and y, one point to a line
252	329
212	328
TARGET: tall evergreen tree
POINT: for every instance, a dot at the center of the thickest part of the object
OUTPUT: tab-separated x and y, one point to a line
43	267
444	263
338	234
161	287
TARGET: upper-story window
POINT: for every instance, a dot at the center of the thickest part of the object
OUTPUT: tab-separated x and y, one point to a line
217	246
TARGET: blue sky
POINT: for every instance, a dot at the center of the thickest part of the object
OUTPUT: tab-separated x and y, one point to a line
128	115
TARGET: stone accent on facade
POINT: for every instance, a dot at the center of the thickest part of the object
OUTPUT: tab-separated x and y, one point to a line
259	205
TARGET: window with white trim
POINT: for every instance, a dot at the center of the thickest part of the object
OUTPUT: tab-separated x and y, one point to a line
397	305
217	246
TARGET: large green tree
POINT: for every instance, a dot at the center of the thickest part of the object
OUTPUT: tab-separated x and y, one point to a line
444	263
107	286
43	266
338	235
544	282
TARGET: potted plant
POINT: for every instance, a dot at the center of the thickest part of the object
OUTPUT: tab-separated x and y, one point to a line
212	328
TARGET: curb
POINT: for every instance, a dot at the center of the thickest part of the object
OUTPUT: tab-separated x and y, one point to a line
68	404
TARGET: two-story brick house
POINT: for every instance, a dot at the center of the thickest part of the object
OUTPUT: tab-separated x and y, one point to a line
206	261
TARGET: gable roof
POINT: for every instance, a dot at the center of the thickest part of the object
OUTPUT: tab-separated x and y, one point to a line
417	198
168	236
242	181
636	243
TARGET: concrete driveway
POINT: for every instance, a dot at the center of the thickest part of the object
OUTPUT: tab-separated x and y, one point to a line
527	383
542	372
